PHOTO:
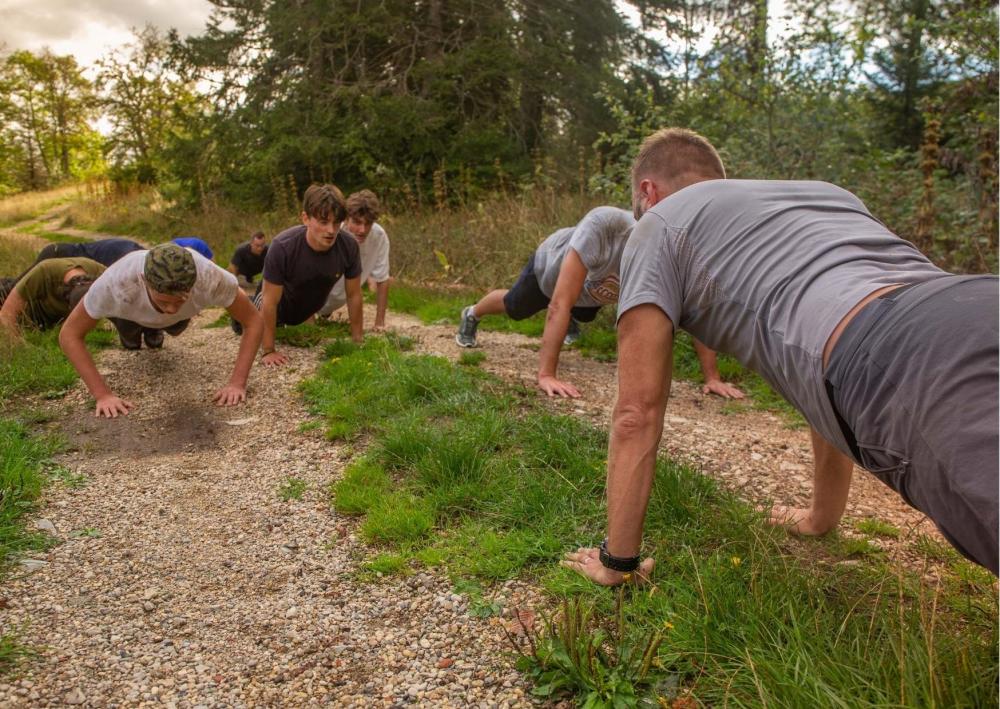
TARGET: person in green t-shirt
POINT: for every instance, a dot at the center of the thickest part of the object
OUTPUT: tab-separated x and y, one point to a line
47	293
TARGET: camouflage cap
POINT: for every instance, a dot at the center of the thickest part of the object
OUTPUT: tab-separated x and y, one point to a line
170	269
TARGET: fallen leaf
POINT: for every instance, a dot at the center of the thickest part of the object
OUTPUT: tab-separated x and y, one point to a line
241	422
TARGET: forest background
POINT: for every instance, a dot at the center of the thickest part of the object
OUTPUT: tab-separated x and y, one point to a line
467	116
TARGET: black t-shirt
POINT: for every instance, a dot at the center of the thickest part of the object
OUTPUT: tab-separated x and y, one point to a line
307	275
248	264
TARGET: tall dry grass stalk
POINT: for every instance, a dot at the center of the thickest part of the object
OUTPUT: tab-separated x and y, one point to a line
485	244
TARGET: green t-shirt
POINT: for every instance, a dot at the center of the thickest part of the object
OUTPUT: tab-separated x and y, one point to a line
44	291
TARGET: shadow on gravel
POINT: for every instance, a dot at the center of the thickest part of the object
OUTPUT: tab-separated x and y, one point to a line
179	431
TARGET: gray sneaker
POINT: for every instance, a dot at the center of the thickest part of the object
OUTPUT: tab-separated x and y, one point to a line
572	333
466	336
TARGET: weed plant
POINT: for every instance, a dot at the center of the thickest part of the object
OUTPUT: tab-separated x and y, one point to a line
471	475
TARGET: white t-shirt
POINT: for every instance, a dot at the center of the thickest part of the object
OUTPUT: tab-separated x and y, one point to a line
374	264
120	292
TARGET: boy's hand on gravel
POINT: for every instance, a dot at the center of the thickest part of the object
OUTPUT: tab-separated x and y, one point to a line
553	387
230	395
797	520
723	389
110	406
274	359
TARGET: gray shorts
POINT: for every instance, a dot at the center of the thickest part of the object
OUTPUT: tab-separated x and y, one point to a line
913	379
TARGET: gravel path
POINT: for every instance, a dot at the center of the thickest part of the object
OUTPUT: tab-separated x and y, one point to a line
182	579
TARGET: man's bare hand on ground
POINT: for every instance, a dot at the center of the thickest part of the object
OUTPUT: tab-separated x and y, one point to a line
587	563
274	359
553	387
230	395
797	520
723	389
111	406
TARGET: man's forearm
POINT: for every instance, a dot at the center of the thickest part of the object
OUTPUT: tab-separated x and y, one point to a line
269	313
831	484
556	325
78	355
635	437
249	344
381	302
708	360
356	314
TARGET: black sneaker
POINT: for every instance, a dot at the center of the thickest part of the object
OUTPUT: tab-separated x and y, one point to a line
466	336
153	338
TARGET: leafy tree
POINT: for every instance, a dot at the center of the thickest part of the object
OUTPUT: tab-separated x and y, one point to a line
46	117
145	102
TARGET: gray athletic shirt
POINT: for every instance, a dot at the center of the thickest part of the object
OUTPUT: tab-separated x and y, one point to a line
764	270
598	240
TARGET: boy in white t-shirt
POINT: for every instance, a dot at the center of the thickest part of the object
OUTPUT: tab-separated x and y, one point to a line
373	243
162	288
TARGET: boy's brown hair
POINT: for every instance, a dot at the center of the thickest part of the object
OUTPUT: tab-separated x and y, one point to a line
363	205
324	202
672	152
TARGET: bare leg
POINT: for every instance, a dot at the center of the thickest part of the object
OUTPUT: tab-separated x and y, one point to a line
491	304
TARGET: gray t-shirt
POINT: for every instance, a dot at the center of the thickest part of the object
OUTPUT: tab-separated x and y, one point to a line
765	270
598	240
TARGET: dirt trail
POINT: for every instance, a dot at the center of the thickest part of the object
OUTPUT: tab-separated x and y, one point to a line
182	579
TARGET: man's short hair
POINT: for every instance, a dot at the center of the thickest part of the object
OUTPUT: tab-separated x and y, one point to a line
256	235
363	205
324	202
671	152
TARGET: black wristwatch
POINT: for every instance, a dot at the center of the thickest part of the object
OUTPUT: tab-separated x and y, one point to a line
625	564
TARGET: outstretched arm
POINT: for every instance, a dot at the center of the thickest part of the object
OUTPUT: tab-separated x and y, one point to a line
76	327
569	285
645	362
831	485
355	309
710	371
381	304
242	311
269	312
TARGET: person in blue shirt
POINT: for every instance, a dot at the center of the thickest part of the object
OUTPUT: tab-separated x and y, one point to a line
193	242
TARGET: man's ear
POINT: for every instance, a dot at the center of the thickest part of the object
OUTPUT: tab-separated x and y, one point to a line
304	217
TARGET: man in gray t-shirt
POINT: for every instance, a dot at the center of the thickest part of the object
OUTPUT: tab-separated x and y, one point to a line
776	273
572	274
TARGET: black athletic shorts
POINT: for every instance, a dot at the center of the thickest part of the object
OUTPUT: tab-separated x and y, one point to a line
525	298
913	379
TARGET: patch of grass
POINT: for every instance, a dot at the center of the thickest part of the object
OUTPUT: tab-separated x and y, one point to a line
23	457
28	205
62	474
292	489
387	564
223	320
38	366
463	472
309	334
86	532
471	359
12	653
857	546
877	528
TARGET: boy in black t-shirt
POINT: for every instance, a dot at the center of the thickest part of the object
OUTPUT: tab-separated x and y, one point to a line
248	259
302	265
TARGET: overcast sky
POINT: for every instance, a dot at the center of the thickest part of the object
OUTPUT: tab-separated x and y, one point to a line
88	28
